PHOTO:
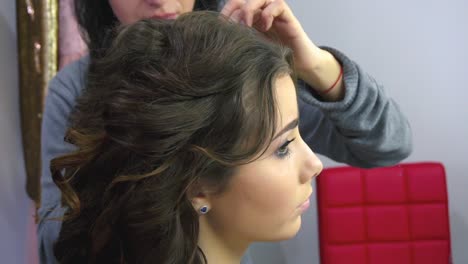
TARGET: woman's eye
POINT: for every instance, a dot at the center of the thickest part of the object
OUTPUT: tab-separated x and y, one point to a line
284	151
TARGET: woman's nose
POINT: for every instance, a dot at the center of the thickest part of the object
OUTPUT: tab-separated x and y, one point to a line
311	165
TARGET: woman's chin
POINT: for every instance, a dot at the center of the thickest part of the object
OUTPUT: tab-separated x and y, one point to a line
287	232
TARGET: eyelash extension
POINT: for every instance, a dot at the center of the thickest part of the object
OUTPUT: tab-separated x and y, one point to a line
284	151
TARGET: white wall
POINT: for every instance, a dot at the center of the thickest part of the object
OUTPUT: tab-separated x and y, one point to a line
419	51
14	205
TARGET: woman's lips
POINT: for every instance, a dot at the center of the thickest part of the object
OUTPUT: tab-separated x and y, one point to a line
165	16
304	206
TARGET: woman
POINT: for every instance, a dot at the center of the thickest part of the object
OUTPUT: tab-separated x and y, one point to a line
186	161
346	115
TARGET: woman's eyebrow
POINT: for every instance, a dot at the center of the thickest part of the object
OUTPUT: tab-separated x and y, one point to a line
293	124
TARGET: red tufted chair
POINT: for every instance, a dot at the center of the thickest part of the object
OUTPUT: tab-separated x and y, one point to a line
392	215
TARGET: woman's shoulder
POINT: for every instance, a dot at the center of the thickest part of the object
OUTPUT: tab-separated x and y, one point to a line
71	79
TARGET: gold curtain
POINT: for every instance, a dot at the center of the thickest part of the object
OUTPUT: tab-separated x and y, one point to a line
37	23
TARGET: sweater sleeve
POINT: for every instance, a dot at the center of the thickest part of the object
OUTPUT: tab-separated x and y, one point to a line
365	129
64	88
63	91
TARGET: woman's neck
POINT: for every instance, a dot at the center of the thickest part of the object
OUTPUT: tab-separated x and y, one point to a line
220	246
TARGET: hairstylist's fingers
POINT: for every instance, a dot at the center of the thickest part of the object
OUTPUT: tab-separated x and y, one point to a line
253	7
236	15
272	12
231	6
248	10
258	21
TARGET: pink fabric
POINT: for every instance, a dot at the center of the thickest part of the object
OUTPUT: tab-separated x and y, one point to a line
384	216
71	45
31	242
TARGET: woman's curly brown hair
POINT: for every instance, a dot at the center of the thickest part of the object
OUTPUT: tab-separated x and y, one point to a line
171	106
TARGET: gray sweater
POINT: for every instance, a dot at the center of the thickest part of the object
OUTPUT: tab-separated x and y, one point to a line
365	129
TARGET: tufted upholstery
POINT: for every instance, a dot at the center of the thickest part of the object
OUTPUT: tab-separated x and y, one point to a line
392	215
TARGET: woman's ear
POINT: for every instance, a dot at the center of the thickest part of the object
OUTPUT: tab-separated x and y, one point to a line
199	198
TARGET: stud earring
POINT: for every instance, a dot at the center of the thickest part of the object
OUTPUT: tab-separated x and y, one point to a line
204	209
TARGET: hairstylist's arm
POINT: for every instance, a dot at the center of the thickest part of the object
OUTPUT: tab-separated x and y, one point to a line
345	113
60	100
317	67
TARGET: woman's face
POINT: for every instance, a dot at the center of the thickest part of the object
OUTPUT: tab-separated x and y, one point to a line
130	11
266	198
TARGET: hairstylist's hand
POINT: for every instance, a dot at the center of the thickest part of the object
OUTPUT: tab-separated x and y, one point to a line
314	65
